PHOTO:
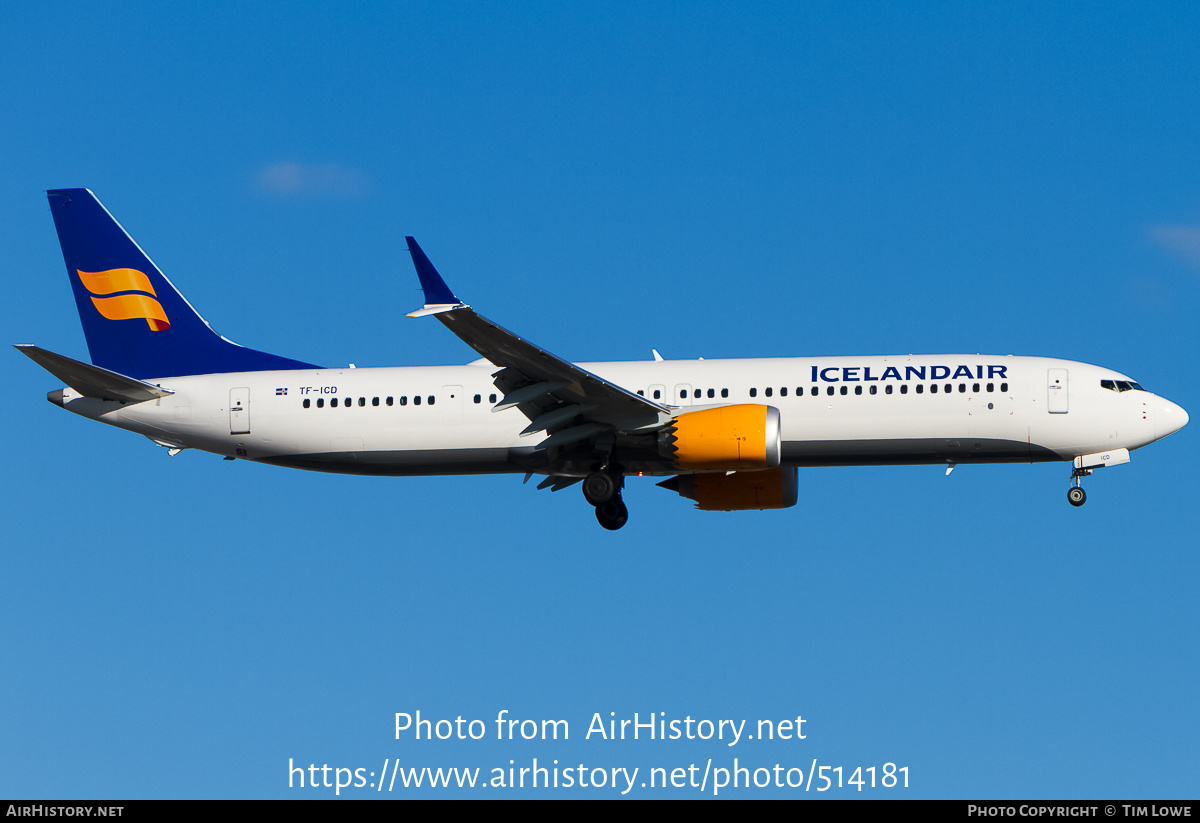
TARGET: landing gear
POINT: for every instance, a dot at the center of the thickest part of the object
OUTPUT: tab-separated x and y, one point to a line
1076	496
613	514
600	487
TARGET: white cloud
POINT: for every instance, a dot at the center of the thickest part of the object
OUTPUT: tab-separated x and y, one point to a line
1182	240
293	179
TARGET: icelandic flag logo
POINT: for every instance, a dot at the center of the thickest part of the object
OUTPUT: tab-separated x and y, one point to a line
280	391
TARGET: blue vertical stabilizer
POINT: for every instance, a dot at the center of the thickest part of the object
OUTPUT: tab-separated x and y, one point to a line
136	323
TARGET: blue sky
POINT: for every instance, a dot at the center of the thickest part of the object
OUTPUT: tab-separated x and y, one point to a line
706	180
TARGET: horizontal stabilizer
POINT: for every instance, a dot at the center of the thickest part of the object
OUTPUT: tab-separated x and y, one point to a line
93	381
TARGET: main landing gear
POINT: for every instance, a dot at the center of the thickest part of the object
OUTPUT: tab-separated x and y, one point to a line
603	490
1076	496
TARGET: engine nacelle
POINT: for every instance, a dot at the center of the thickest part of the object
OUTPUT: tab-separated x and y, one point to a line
727	438
741	491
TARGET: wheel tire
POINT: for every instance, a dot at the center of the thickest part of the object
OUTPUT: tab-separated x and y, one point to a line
599	488
613	514
1076	496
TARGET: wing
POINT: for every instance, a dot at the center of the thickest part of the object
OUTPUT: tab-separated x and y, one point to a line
570	404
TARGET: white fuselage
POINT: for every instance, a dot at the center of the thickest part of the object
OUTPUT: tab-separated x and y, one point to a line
833	410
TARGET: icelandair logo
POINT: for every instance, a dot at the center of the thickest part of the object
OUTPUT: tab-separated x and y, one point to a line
855	374
125	306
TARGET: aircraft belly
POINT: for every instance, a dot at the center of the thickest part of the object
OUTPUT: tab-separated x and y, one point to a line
402	463
912	451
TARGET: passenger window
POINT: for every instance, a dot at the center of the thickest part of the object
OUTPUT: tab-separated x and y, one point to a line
416	399
641	393
770	391
362	401
374	401
991	387
307	402
887	389
712	392
904	388
1003	387
783	392
975	388
404	400
799	391
478	397
858	389
431	399
754	392
389	401
320	402
491	398
920	388
845	391
683	393
962	388
724	392
829	391
933	388
874	390
333	403
657	394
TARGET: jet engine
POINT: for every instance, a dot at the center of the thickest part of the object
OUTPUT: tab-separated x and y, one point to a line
726	438
741	491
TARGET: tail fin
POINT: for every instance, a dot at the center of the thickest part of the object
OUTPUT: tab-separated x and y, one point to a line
136	323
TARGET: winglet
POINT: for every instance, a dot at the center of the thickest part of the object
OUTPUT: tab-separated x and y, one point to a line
438	297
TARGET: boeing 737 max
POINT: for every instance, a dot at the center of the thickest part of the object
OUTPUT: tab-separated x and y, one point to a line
728	434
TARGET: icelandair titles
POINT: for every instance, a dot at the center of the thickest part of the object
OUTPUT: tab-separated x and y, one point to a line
864	374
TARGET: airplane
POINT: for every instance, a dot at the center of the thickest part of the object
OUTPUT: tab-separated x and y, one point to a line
727	434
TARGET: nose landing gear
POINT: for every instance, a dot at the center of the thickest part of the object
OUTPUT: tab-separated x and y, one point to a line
1076	496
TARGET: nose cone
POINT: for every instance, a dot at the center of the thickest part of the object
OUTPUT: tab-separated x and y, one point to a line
1170	418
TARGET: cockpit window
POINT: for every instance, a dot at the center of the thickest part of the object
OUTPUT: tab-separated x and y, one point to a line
1120	385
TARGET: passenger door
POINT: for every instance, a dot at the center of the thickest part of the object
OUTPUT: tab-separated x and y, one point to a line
1056	391
239	411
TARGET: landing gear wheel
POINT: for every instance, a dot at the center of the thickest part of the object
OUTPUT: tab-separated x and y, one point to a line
1076	496
613	514
600	488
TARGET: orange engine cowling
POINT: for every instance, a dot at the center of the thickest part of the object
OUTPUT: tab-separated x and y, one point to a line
727	438
740	491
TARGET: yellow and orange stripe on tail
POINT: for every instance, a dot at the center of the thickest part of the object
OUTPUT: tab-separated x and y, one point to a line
125	306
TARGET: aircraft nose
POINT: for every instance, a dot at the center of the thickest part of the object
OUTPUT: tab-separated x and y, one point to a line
1170	418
